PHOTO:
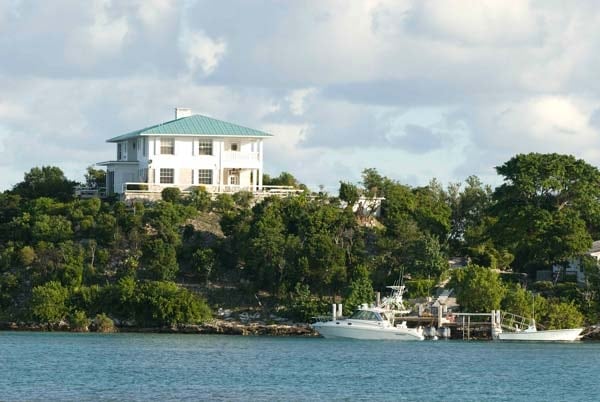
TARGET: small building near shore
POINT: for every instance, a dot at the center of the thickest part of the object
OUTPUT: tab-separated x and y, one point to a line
572	270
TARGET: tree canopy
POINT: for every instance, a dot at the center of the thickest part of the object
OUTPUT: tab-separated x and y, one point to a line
160	263
547	210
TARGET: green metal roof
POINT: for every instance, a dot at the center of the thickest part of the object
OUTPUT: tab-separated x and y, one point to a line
194	125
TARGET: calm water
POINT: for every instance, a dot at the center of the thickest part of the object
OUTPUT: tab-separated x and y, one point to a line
56	366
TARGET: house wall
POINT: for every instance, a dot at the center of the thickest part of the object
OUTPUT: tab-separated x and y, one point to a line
186	162
122	174
186	158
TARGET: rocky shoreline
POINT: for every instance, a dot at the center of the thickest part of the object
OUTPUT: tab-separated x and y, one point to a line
228	327
212	327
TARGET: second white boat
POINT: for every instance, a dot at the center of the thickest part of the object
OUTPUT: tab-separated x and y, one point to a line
521	329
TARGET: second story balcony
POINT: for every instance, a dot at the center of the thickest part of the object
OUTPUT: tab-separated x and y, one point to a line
240	156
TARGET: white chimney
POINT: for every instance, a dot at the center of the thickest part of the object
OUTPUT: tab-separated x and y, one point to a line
182	112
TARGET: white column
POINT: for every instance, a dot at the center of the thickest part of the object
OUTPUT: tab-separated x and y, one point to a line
221	147
260	161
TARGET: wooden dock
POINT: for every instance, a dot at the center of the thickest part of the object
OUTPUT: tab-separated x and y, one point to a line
466	326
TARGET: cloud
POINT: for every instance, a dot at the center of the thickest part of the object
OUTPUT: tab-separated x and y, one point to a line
297	100
417	139
545	124
476	22
417	89
107	33
201	52
154	12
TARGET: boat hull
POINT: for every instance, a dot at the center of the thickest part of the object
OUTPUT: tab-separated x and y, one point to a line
331	330
557	335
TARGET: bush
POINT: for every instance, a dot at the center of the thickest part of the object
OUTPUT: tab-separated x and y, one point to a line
103	323
200	199
561	315
79	321
164	303
171	194
48	302
304	305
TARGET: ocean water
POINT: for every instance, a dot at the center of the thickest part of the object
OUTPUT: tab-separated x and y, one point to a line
136	367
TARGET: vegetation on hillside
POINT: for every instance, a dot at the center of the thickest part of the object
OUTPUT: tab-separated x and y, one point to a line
154	264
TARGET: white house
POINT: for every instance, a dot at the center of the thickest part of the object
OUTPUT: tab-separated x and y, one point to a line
192	150
574	268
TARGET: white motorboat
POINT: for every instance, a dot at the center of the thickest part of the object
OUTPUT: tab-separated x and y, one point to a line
519	329
373	323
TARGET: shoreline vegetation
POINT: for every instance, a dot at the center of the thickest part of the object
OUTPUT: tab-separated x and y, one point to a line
174	264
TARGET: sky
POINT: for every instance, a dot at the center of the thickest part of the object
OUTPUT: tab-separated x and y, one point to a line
415	89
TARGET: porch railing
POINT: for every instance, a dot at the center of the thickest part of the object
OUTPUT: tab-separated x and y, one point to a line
153	188
240	156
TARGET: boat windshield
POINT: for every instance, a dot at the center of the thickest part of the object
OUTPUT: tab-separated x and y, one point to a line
366	315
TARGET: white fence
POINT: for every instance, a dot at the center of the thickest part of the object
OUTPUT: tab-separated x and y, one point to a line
153	190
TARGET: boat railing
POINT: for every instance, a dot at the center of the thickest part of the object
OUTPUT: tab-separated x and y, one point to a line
325	318
514	323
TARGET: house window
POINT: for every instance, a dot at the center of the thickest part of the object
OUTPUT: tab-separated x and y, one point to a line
205	176
167	176
144	146
234	147
167	146
122	151
205	147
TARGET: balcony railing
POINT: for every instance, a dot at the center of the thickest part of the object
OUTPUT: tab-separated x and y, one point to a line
240	156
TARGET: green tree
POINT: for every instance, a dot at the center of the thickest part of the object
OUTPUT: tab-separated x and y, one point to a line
427	259
349	193
284	179
561	315
49	302
469	216
479	289
360	290
159	260
266	245
49	181
203	260
164	303
431	211
374	184
95	178
519	301
51	228
303	305
546	209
